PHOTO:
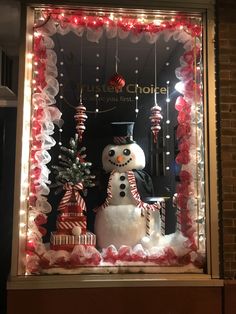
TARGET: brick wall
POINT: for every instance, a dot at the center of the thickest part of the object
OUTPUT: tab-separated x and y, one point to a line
226	15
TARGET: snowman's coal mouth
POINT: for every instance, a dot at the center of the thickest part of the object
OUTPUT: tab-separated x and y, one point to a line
120	165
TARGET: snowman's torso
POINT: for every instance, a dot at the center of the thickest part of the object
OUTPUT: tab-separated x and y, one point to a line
120	189
120	222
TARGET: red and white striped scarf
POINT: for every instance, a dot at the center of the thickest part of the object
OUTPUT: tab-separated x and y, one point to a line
134	192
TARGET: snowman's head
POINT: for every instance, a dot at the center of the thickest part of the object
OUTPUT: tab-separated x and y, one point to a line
123	158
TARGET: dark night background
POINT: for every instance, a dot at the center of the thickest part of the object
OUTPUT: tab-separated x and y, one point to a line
136	64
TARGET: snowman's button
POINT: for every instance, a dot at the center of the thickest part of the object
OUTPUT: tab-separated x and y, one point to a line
122	194
122	186
122	178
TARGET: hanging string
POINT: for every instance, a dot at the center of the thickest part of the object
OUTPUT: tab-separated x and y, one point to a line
155	72
117	81
81	71
80	115
116	55
155	116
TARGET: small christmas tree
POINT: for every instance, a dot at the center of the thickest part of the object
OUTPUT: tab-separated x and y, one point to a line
73	175
73	168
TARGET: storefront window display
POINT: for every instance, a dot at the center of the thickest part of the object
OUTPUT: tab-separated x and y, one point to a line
113	163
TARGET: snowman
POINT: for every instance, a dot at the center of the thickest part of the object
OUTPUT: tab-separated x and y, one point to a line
124	219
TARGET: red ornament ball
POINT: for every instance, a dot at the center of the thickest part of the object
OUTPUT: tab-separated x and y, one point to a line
117	81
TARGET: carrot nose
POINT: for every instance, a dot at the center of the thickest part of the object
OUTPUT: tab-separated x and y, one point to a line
119	158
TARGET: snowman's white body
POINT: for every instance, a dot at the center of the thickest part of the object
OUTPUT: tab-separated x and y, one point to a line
121	221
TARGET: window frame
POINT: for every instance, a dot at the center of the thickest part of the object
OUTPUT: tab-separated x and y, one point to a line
206	8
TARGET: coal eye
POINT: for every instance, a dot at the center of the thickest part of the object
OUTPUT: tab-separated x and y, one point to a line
126	152
111	152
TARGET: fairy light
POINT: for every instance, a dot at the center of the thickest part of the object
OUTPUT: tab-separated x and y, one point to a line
25	184
22	212
36	34
41	18
201	238
29	55
167	123
157	22
25	149
136	90
29	65
61	95
31	218
141	20
22	234
29	233
28	91
97	80
96	100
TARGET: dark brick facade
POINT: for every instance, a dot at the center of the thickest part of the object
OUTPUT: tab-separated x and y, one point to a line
226	62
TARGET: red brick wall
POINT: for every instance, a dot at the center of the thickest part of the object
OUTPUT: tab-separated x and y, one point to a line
226	14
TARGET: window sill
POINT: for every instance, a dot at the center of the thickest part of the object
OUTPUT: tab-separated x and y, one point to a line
112	280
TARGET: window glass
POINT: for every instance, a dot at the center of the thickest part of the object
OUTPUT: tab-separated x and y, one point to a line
117	149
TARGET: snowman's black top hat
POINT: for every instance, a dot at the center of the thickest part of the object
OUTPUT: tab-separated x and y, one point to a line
122	132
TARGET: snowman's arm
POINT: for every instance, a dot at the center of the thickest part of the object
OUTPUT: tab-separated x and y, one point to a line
98	194
144	183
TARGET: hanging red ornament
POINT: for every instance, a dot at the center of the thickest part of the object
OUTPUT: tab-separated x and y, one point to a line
117	81
80	118
155	121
